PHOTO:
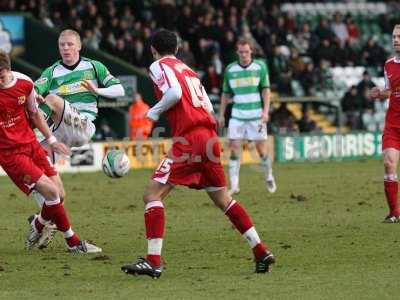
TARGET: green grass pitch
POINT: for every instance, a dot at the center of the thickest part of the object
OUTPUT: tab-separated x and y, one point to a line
323	224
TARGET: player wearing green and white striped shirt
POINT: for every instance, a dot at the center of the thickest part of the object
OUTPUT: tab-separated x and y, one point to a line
247	82
71	88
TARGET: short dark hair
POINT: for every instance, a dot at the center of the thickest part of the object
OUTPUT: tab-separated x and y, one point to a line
4	61
164	41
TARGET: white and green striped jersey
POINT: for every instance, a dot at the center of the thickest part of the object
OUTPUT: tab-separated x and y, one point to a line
60	80
246	84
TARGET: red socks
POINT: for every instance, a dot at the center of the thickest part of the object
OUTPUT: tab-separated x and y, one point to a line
241	220
154	218
57	214
391	190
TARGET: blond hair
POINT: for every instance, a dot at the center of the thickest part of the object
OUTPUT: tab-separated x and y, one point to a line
73	33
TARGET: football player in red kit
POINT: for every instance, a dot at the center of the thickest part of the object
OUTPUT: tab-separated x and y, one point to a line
391	133
25	161
194	159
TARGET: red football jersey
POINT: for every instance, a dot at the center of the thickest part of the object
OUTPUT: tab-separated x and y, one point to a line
16	100
191	110
392	80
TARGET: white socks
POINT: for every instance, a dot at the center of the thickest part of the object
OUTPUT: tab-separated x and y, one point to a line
267	166
234	168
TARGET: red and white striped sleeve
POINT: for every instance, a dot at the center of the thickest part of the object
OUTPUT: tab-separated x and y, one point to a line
163	76
31	103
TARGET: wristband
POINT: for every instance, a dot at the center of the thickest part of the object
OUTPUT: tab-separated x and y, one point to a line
51	140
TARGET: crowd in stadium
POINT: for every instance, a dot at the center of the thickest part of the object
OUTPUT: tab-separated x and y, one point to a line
299	53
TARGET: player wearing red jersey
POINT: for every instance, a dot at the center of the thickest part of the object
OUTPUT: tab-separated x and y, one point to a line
194	159
391	133
25	161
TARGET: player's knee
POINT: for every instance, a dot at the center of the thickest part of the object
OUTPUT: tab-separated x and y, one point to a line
235	152
62	194
148	197
51	192
389	162
55	102
389	165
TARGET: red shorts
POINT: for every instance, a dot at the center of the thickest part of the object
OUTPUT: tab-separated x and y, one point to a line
193	161
391	138
26	164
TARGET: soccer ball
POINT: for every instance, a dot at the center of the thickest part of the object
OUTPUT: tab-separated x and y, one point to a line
115	163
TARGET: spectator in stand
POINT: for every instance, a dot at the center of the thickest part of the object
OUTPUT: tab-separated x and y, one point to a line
305	124
386	23
304	40
363	86
270	44
261	32
90	40
228	43
90	15
186	55
78	25
373	54
137	52
280	30
324	75
352	105
212	80
283	119
309	79
296	63
281	71
339	28
326	51
121	51
345	55
323	31
211	29
108	44
140	126
165	13
353	30
56	21
185	23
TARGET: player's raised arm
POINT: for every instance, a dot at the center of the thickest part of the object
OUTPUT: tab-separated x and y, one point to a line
111	86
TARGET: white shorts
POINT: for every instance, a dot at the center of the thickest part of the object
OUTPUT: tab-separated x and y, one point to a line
251	130
74	130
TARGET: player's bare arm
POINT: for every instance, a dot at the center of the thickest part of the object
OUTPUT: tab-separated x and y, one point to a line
266	96
40	123
225	98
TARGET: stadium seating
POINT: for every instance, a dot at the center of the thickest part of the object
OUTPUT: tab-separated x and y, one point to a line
329	8
366	15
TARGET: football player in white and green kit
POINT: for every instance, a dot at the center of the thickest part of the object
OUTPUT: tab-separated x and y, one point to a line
247	81
71	88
